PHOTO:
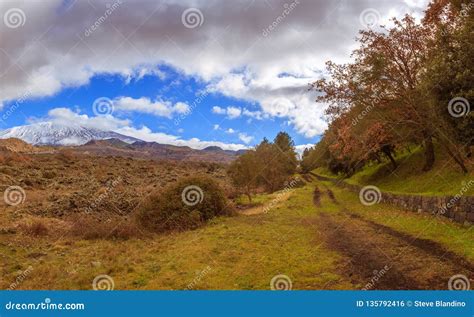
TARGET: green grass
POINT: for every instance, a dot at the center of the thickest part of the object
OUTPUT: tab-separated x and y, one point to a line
241	252
445	178
257	200
452	236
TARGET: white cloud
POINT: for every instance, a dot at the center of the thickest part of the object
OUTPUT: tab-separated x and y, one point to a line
230	131
300	148
236	112
233	112
146	134
66	116
218	110
289	98
145	105
216	127
245	138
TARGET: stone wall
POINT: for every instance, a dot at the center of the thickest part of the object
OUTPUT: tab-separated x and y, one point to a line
459	208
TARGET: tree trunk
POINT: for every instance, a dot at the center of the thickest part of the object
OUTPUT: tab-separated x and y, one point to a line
467	150
457	158
429	152
388	152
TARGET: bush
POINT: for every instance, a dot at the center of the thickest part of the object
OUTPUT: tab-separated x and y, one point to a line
34	227
183	205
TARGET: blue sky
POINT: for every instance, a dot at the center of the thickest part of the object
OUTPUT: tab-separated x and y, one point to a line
202	121
248	63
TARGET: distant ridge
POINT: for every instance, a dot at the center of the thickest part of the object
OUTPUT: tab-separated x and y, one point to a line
49	133
104	143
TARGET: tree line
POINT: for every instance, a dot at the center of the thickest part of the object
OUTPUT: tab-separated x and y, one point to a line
408	84
268	166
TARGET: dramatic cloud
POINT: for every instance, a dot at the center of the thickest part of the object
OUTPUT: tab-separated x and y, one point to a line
241	49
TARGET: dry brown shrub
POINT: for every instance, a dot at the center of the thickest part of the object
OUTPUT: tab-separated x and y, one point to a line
185	204
34	227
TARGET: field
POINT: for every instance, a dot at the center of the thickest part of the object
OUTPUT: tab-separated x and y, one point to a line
318	236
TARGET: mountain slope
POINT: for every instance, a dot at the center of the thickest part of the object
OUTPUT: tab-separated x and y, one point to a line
96	142
49	133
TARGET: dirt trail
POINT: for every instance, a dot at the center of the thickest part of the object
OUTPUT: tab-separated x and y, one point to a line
429	246
380	257
275	202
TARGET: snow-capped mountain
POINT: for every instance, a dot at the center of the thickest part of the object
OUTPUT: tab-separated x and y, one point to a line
49	133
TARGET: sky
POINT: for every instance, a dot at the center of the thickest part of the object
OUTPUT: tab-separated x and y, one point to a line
195	73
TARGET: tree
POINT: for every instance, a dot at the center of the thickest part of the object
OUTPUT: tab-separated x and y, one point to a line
268	166
243	172
272	166
449	76
289	158
384	78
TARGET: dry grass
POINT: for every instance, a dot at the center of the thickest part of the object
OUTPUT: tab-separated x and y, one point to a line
34	227
90	228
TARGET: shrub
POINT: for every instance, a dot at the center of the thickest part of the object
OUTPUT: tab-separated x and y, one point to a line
49	174
183	205
35	227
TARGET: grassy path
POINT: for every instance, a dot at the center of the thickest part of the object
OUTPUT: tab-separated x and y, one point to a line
322	239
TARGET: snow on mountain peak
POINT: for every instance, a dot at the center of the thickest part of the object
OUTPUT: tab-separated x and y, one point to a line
52	133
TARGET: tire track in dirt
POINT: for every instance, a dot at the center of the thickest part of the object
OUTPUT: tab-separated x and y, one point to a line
307	178
429	246
317	197
364	258
370	248
331	196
